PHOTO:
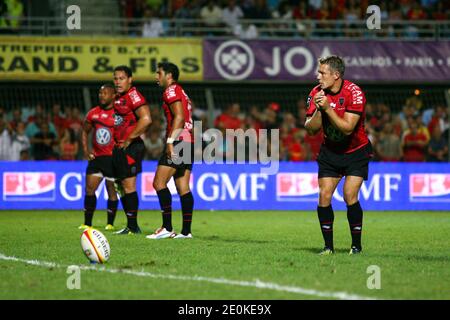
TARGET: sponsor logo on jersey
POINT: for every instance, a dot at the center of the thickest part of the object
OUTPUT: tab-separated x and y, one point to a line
118	119
122	102
135	98
429	187
103	136
171	93
294	186
29	186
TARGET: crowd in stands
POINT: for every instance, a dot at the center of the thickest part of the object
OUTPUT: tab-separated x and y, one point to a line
228	15
148	18
10	13
417	133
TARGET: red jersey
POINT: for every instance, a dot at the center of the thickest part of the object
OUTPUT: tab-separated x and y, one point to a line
414	153
350	98
102	136
228	122
172	94
125	117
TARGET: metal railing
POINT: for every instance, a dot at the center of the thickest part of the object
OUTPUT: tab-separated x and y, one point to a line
273	28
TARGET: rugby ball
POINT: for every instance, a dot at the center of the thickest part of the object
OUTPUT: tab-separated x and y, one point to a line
95	245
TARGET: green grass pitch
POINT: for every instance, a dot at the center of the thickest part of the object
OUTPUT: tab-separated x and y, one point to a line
234	255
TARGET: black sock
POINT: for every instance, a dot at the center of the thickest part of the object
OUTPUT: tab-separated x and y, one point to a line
326	219
355	221
130	201
111	210
90	204
187	207
165	201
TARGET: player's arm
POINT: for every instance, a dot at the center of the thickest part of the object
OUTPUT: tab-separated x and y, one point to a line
177	125
313	124
346	124
87	128
144	120
351	117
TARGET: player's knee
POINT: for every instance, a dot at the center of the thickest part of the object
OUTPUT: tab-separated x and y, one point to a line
325	198
158	185
350	198
90	190
183	190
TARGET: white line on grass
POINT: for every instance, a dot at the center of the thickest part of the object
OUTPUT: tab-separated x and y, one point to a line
253	284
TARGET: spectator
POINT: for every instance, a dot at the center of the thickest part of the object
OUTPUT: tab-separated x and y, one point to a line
301	112
387	145
154	145
407	112
211	14
16	118
175	5
189	11
314	143
439	13
416	12
19	142
43	143
229	119
395	15
11	12
58	119
5	137
68	146
37	112
315	4
282	13
300	13
352	13
437	147
438	119
297	149
74	120
138	12
254	119
25	155
246	30
153	26
414	144
231	14
259	11
34	126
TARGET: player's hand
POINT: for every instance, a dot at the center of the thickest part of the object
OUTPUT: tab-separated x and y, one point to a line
124	144
318	97
89	155
322	101
169	151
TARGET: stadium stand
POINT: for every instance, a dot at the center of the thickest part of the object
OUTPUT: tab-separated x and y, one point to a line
390	110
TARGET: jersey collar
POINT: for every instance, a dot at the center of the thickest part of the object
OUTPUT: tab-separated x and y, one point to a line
339	91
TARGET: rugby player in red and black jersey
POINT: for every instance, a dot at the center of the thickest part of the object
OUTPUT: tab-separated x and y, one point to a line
100	121
338	107
132	118
178	156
